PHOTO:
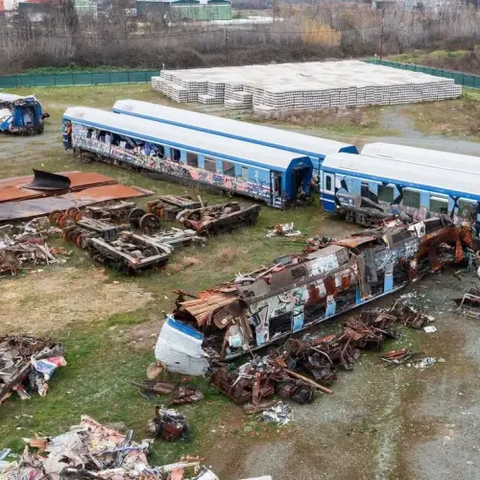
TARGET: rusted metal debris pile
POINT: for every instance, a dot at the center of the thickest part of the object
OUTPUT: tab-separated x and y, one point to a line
103	232
25	245
177	394
91	450
23	198
26	365
282	370
205	220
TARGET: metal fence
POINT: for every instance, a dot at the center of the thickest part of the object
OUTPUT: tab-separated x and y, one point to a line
465	79
69	79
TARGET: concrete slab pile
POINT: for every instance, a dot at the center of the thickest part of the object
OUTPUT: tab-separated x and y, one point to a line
303	86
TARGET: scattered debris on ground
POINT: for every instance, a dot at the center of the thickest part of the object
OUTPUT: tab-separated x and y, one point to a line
178	394
469	304
397	357
26	364
91	450
170	425
284	230
279	414
25	245
219	218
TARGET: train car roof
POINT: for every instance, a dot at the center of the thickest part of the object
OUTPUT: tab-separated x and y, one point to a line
10	97
205	143
411	175
422	156
268	136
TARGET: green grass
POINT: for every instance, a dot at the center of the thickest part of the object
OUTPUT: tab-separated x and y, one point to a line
72	68
102	358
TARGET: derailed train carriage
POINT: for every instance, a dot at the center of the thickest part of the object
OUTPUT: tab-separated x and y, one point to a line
276	177
298	291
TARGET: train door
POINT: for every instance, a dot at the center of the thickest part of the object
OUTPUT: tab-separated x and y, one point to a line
327	191
276	188
300	183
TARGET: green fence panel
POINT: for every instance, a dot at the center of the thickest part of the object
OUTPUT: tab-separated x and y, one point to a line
63	79
8	82
98	78
30	81
82	79
45	80
119	77
138	77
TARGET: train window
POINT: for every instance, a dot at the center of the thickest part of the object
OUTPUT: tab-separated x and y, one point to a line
210	165
467	208
328	183
175	154
192	159
385	193
411	198
245	173
228	169
438	205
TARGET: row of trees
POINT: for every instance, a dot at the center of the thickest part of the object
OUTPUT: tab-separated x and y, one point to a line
313	31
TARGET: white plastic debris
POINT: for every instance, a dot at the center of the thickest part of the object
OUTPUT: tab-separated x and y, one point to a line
280	414
284	230
179	348
430	329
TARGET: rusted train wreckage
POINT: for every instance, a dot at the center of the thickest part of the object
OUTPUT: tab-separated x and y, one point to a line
301	290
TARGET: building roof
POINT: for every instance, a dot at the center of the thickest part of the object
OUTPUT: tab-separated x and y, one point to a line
272	137
445	180
205	143
421	156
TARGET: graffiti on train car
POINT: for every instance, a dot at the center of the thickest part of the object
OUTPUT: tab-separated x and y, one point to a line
86	139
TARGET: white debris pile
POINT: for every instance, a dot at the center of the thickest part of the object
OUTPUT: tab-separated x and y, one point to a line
303	86
284	230
280	414
92	450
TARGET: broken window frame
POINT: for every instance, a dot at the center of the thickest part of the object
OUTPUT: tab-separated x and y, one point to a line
382	190
175	154
228	168
192	159
210	164
411	191
439	200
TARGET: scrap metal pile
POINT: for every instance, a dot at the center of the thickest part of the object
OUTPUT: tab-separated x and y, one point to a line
103	231
469	304
25	245
91	450
300	290
282	370
26	364
23	198
203	219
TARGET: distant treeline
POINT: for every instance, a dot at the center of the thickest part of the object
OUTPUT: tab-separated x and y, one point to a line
308	32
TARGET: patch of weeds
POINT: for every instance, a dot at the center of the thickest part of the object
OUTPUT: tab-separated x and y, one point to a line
128	318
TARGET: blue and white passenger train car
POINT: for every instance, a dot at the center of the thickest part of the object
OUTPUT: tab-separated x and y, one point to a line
366	188
306	145
277	177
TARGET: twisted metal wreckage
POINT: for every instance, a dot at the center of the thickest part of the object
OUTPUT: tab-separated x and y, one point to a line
300	290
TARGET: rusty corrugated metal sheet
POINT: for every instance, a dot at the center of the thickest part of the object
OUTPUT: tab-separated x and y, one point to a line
26	209
12	188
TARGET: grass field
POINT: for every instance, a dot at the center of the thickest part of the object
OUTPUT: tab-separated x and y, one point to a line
109	323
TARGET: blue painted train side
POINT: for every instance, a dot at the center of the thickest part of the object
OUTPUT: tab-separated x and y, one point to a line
366	189
274	176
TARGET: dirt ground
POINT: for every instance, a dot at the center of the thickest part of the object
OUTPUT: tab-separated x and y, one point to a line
379	424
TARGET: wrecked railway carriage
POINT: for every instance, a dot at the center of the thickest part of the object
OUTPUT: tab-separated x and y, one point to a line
300	290
21	114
